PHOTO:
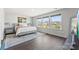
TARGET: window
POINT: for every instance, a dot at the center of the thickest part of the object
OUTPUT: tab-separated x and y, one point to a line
45	22
39	22
56	22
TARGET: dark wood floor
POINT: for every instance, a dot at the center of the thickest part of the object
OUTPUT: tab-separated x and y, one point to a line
43	42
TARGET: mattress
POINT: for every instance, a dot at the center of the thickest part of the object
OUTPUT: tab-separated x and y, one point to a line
25	30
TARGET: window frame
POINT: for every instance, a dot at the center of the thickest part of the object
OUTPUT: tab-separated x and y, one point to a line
52	21
41	21
46	17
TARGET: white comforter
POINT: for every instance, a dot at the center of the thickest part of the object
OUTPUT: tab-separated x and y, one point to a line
25	30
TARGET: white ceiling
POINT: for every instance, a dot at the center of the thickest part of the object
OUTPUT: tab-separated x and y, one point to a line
29	11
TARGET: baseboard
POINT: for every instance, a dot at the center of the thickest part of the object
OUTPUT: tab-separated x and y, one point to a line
53	35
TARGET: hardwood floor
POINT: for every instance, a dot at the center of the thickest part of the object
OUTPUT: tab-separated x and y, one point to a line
43	42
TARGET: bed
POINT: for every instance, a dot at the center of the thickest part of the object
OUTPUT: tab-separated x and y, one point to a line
24	29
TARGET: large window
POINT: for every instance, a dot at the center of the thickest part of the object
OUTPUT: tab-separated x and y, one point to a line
56	22
39	22
45	22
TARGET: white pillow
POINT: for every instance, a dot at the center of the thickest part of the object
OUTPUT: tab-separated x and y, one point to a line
23	24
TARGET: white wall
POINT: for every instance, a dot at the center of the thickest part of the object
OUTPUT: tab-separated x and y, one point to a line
1	24
66	16
12	18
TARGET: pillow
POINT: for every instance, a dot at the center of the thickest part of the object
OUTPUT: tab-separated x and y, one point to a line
23	24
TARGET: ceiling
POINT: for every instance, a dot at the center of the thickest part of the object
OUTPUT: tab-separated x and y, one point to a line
29	11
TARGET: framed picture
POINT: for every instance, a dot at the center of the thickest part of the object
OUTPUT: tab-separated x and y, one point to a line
22	19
